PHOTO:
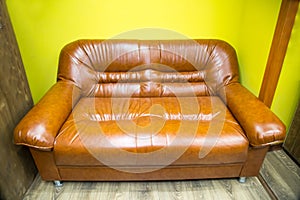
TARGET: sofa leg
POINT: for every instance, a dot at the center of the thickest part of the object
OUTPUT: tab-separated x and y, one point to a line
58	183
242	179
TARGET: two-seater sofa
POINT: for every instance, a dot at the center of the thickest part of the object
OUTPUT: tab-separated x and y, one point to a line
148	110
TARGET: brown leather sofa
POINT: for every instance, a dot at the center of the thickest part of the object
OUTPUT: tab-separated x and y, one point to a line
148	110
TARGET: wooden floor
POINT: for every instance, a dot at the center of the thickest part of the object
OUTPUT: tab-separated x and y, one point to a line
281	174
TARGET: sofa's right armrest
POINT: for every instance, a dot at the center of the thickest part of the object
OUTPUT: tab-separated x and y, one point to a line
41	124
260	124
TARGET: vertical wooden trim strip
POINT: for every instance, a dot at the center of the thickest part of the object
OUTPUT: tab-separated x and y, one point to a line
284	26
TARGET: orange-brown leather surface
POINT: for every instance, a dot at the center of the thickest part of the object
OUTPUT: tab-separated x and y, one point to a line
50	171
260	124
94	131
44	160
70	173
254	161
91	63
131	89
41	125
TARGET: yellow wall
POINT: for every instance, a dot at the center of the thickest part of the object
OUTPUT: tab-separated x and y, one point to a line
44	27
253	44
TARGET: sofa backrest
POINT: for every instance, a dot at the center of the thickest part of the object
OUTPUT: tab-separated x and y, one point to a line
148	68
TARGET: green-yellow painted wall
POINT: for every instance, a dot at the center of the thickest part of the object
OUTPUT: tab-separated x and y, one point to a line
43	27
253	44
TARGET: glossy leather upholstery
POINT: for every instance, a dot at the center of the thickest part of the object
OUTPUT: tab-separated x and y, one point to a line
148	110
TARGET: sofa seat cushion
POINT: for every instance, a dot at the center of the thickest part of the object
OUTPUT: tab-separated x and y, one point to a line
132	132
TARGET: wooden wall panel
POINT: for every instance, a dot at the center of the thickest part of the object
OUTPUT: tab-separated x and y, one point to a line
292	141
17	169
285	22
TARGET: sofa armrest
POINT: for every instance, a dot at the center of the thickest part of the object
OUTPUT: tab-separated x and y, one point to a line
41	124
260	124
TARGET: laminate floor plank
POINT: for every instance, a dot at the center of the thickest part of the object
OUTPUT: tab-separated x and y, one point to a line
160	190
282	175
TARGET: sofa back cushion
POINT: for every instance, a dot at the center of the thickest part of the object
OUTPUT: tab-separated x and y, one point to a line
148	68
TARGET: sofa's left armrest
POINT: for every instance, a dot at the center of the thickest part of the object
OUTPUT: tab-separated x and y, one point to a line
40	125
260	124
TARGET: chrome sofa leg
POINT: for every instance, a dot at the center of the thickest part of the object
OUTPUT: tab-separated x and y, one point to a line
58	183
242	179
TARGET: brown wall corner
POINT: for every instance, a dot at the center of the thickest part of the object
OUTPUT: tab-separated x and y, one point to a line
17	169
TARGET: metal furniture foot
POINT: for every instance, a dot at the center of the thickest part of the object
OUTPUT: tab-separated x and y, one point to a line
242	179
58	183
